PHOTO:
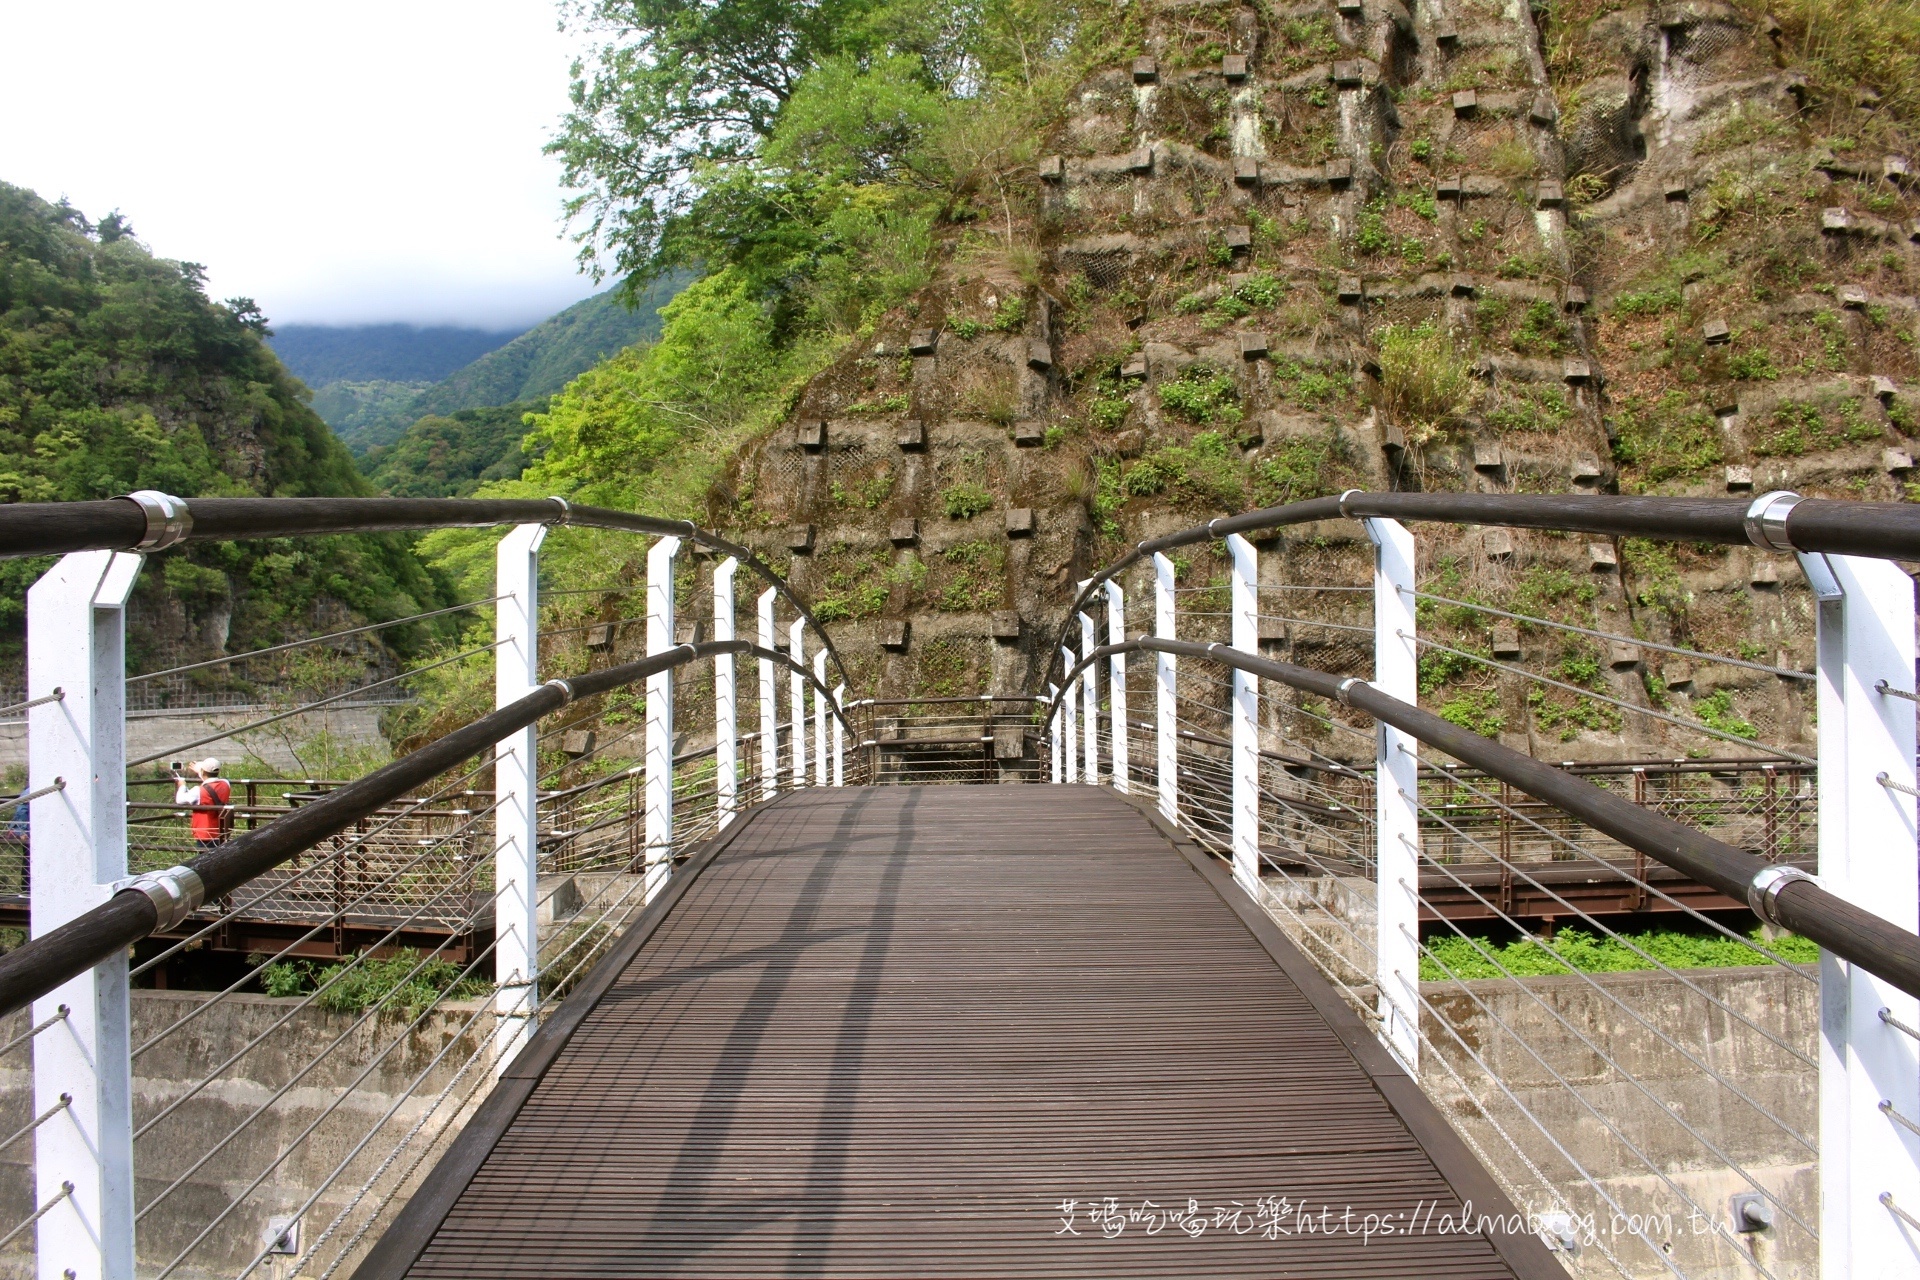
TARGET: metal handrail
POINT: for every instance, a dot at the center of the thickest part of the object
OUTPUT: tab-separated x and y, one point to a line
1779	895
1777	521
150	521
133	913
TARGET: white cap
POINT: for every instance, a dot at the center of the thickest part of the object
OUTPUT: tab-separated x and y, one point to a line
209	765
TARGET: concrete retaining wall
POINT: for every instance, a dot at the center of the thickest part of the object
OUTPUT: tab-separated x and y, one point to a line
383	1075
1538	1034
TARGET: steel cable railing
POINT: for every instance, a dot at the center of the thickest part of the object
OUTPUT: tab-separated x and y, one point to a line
1799	904
47	960
1219	768
1777	521
1350	977
394	862
152	521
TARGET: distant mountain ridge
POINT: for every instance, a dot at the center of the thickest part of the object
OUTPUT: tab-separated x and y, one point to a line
553	353
373	396
322	354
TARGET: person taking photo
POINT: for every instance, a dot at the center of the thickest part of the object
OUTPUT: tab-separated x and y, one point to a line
211	797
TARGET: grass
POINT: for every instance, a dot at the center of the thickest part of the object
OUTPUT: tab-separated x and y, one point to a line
1425	384
1208	468
1202	395
1577	950
364	981
1671	438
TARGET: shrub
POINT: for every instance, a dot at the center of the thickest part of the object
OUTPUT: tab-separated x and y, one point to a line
1301	467
1575	949
975	574
1665	440
401	981
1542	331
1537	408
1475	710
1753	366
1424	382
1209	468
1716	712
966	500
1202	395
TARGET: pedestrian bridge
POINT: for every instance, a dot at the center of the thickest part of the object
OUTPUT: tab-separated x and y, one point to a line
981	1031
731	991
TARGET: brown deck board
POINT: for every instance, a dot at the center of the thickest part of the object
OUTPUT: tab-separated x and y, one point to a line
887	1031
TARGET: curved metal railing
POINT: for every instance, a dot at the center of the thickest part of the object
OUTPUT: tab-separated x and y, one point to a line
161	900
153	521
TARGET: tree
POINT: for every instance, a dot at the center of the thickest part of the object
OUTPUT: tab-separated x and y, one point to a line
672	90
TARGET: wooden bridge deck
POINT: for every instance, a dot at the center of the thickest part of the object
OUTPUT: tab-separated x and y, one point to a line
889	1031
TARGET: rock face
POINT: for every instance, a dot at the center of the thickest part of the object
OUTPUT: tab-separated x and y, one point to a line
1281	253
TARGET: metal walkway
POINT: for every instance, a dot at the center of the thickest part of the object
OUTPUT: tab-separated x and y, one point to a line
889	1031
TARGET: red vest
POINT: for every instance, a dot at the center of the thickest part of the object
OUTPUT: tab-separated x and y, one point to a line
213	797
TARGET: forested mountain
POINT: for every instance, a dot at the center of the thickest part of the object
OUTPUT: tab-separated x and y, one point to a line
553	353
318	354
117	373
450	456
368	393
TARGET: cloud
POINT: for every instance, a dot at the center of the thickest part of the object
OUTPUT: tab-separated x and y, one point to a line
357	161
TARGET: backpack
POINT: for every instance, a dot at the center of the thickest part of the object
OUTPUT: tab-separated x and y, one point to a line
224	797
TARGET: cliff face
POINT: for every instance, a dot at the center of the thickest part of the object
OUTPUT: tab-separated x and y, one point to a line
1288	251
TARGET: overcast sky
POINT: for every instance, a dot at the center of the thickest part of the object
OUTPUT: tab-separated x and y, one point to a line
344	162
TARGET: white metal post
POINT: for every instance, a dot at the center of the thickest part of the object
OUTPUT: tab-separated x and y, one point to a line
1059	729
726	710
840	736
1068	719
797	650
1866	741
819	719
1245	714
659	751
516	791
1396	794
1117	683
76	643
1166	722
1089	701
769	704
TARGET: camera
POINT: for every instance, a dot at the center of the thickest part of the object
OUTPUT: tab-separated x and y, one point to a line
177	766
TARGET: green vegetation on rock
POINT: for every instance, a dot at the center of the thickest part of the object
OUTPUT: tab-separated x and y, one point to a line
1455	956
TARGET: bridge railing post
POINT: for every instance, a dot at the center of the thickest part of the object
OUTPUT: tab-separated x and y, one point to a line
1069	720
769	702
516	788
797	687
820	763
76	774
840	736
1396	796
1089	700
1166	730
1117	685
1055	734
659	743
1245	713
1869	1067
726	710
